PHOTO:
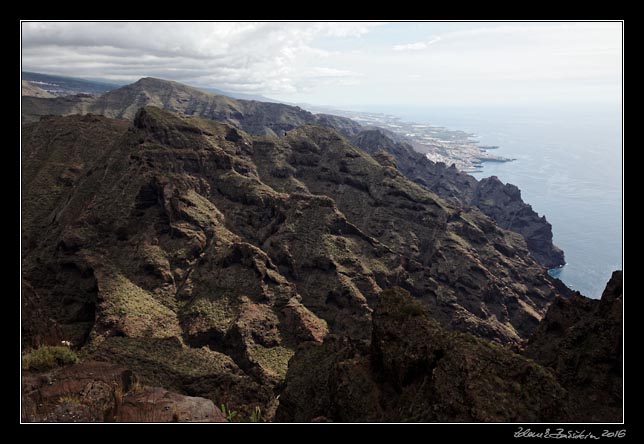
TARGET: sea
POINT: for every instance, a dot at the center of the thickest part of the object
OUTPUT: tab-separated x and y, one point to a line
569	167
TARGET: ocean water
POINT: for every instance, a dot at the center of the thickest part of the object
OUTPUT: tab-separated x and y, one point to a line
568	166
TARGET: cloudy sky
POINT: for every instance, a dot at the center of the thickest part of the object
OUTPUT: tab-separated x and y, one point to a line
348	64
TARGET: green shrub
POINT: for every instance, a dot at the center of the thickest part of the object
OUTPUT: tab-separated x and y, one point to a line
230	415
412	310
47	357
234	416
256	416
69	399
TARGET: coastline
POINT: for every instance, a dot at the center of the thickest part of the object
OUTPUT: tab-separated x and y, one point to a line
437	143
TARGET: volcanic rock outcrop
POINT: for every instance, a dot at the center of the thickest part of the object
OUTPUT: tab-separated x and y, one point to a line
102	392
414	370
580	340
501	202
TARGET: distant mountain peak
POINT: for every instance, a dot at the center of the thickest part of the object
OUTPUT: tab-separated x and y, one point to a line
156	82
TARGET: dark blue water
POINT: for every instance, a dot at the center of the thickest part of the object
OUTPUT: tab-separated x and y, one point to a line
568	167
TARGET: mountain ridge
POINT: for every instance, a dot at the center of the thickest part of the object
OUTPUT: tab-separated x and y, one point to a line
63	85
499	201
502	202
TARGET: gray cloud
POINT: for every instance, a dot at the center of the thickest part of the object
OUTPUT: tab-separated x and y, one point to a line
345	63
268	57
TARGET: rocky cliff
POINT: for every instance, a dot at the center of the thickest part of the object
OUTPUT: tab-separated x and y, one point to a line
501	202
580	341
200	256
414	370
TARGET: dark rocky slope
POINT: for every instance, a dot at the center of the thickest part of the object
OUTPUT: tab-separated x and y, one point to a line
200	257
502	203
33	108
414	370
580	340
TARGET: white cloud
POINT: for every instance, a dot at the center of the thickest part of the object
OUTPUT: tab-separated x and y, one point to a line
244	56
417	46
335	63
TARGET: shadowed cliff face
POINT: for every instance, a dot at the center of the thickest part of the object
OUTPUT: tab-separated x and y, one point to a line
502	203
580	341
200	257
414	370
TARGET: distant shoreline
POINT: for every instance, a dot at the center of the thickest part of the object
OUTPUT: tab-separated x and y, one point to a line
437	143
494	159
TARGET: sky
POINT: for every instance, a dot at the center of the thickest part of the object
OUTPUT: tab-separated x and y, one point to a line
346	63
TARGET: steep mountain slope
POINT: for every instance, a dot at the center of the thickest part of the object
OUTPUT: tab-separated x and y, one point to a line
580	340
200	257
413	370
254	117
34	108
29	89
458	257
501	202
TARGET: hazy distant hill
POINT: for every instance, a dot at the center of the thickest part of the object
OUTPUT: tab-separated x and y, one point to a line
31	90
253	116
242	96
63	86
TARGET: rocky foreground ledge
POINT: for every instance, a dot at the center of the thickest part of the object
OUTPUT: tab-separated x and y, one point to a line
103	392
412	370
415	371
